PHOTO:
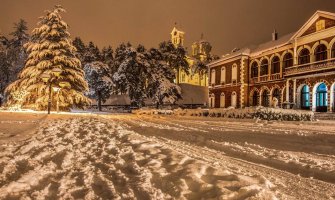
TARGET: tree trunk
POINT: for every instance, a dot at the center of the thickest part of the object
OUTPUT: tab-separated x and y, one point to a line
99	101
177	77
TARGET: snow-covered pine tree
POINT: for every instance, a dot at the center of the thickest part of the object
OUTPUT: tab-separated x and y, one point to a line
16	52
120	56
81	49
108	57
99	82
4	66
160	86
175	57
92	53
131	73
51	47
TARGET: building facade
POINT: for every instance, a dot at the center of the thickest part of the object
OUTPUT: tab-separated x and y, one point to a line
296	70
200	51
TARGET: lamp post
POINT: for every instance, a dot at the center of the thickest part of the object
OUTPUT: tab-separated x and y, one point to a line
50	78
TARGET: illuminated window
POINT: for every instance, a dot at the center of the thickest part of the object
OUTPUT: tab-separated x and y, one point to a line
222	100
213	76
223	75
234	73
320	25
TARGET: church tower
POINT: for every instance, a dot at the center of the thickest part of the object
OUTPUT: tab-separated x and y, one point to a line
177	37
201	49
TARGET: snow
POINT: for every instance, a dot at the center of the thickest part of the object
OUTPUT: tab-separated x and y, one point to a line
106	160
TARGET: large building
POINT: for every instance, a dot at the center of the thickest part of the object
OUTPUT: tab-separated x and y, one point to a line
297	69
200	51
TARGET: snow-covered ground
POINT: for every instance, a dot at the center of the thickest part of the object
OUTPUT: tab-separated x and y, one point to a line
164	157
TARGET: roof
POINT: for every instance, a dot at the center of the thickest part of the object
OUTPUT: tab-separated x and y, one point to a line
281	41
273	44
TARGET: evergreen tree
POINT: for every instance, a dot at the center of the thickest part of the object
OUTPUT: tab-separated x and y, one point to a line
160	76
4	67
50	47
99	82
81	49
175	57
130	75
92	53
120	56
16	52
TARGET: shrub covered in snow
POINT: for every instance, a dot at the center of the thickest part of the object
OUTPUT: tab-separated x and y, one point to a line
245	113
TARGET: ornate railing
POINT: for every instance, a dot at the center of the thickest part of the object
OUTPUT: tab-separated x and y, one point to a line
264	78
315	66
274	77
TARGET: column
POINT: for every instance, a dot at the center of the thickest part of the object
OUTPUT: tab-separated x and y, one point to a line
288	93
294	92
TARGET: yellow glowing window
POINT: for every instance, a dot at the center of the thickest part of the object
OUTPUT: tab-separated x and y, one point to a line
320	25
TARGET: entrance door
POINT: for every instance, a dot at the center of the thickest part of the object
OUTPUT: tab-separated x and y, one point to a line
321	98
304	101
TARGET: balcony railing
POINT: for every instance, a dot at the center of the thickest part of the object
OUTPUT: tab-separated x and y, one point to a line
315	66
264	78
274	77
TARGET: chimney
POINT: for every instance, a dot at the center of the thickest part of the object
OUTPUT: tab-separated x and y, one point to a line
274	35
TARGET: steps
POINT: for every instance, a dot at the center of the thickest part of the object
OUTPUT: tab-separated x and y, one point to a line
325	116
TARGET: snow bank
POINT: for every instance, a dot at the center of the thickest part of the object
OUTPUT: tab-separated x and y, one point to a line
245	113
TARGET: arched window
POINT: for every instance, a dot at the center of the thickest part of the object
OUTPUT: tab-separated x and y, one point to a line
223	75
265	98
234	73
233	99
304	57
211	101
275	65
213	76
333	51
222	100
288	60
276	94
304	98
254	70
254	98
321	53
264	67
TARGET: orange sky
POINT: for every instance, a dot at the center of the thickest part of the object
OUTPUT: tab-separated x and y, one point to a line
226	24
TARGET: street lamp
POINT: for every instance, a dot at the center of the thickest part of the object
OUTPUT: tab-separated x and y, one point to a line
50	78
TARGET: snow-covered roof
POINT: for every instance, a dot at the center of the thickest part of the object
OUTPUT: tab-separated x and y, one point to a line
274	44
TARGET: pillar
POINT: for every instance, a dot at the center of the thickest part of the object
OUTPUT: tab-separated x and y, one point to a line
288	93
295	92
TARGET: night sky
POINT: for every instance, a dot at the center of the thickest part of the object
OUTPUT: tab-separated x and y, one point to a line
225	24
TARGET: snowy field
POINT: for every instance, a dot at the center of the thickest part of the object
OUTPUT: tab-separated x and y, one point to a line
153	157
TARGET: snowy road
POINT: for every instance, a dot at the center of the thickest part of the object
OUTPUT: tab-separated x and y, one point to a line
154	157
293	156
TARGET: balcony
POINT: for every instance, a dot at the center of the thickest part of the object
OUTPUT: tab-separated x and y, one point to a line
310	67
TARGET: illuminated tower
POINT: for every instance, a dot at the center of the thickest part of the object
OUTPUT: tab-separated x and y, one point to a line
177	37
